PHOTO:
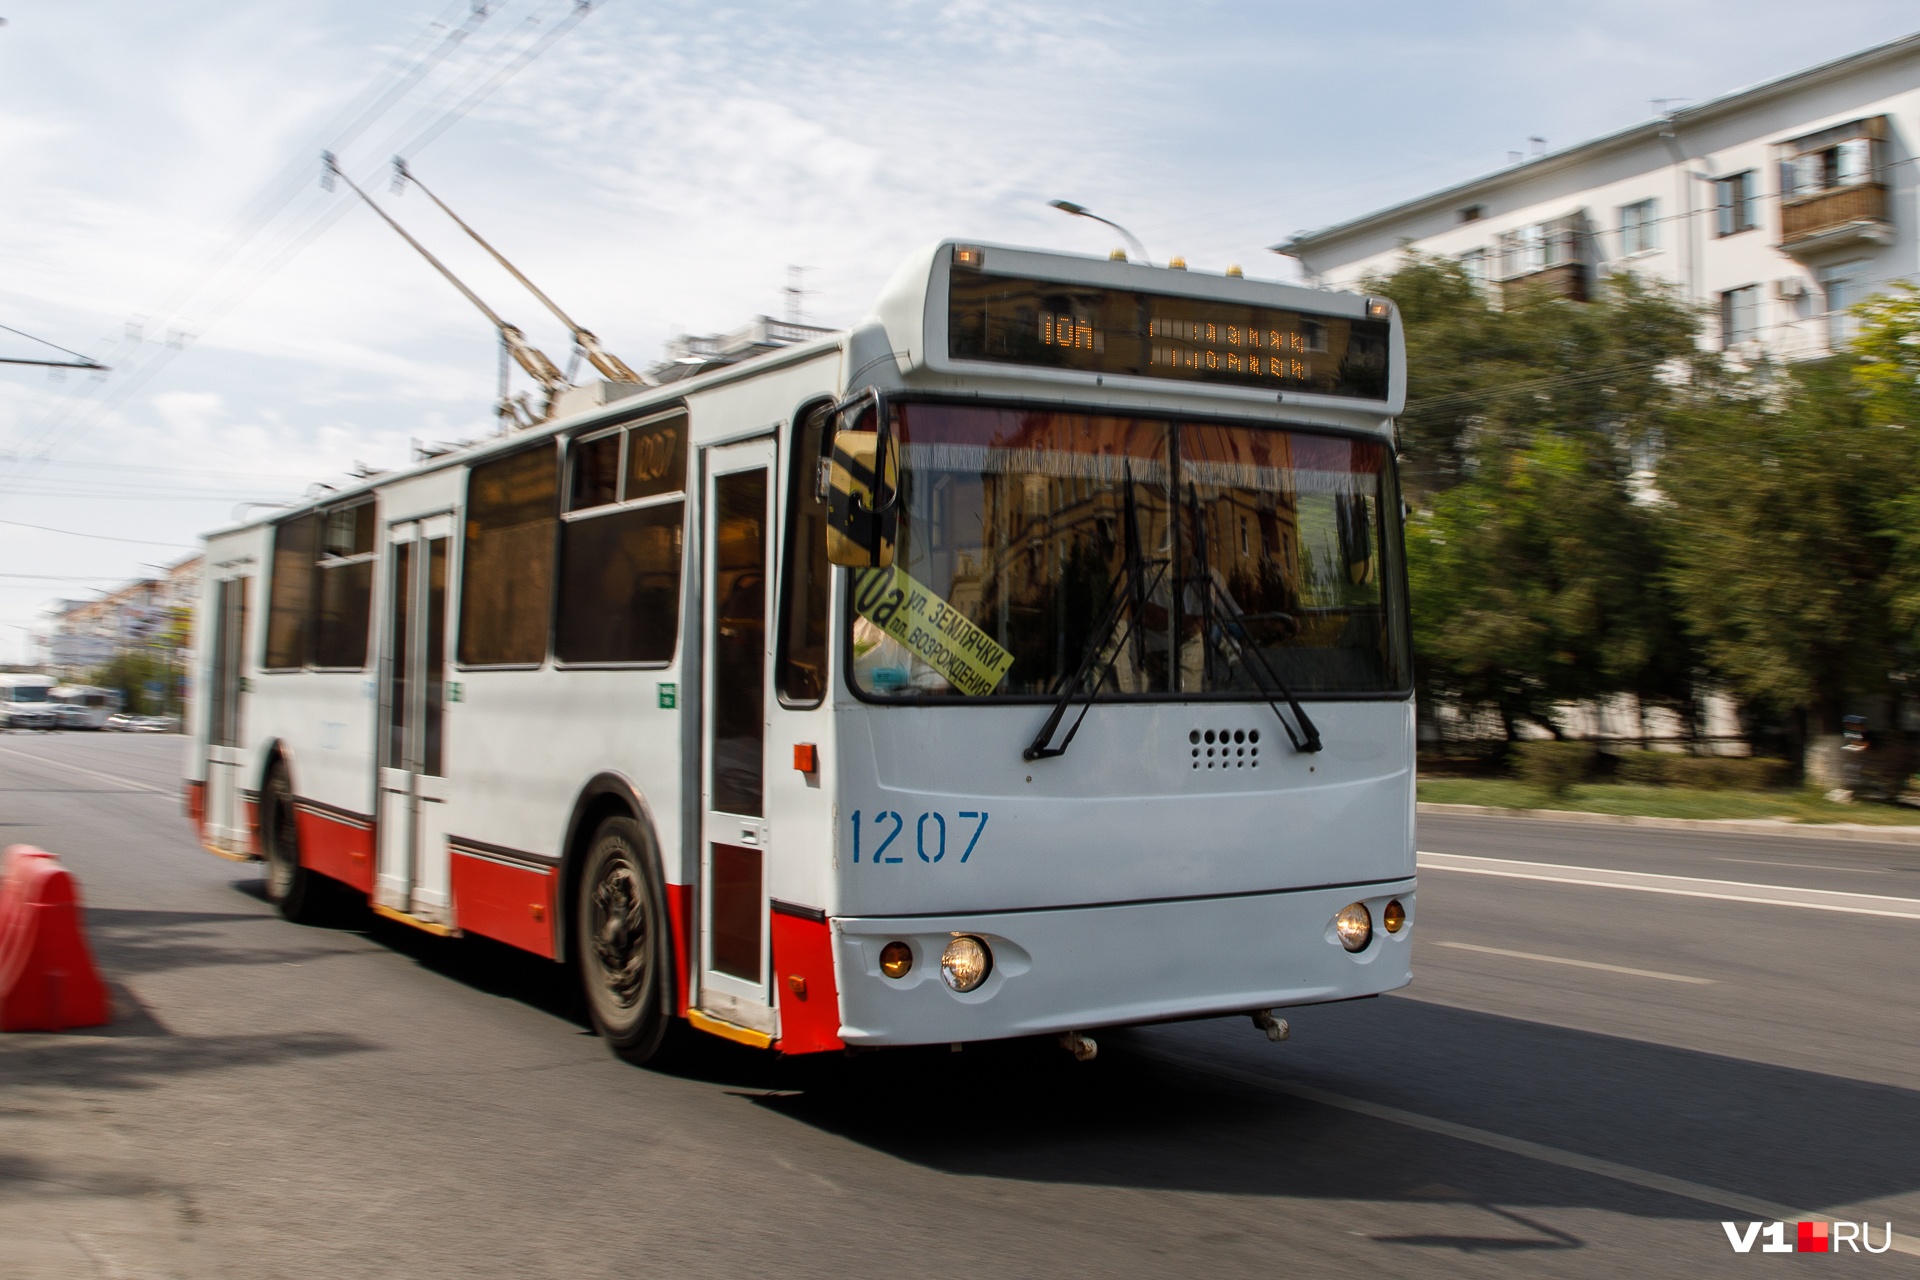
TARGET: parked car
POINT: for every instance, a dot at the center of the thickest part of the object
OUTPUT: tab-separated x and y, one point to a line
143	724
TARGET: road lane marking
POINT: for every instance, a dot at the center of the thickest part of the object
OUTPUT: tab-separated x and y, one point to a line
1578	964
1775	895
1645	1178
91	773
1807	866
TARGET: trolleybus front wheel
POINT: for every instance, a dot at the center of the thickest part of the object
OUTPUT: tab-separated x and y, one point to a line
620	932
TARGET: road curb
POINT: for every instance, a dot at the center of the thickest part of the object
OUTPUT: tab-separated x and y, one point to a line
1727	826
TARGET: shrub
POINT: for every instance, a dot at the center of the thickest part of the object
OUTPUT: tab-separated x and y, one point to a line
1554	767
1727	773
1707	773
1648	768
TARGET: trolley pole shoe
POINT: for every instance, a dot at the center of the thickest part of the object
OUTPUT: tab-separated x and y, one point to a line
47	978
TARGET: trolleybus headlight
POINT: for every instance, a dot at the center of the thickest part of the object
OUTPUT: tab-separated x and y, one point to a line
1394	918
895	959
1354	924
965	963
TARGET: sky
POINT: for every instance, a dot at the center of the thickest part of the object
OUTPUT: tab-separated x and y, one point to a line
657	167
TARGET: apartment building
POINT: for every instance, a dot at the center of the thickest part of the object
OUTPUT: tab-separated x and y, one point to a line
1776	208
142	614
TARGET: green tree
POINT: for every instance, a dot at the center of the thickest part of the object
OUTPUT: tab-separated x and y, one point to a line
1887	369
131	673
1779	545
1534	551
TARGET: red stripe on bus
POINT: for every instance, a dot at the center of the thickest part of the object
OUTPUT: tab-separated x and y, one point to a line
510	904
251	808
680	920
342	850
196	799
803	978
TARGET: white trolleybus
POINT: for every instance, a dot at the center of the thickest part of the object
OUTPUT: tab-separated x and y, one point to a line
1031	659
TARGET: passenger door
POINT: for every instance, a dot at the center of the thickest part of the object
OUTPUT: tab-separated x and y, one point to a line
226	818
737	528
411	822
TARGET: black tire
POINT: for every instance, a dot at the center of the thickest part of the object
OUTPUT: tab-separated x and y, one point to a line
622	942
291	887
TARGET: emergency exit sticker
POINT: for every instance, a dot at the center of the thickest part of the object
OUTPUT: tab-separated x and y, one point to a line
668	695
933	630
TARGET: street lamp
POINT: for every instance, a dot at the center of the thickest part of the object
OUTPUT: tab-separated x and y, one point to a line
1081	211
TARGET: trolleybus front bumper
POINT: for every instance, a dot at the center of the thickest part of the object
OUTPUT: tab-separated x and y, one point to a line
1076	968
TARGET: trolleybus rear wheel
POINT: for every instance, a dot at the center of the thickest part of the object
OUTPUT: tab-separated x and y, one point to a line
620	933
290	886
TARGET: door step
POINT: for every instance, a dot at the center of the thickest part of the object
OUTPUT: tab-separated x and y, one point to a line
729	1031
433	927
228	854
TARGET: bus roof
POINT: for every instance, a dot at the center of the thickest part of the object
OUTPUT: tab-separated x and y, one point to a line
909	326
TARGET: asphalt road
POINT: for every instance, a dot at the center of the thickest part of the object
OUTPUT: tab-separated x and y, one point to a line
1582	1081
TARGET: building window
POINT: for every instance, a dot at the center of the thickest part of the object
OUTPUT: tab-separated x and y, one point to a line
1844	286
1739	315
1472	213
1639	227
1734	197
1474	263
1833	159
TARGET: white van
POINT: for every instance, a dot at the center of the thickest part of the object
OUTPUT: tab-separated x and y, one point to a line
28	701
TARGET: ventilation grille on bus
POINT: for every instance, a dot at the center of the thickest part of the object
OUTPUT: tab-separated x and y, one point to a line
1225	748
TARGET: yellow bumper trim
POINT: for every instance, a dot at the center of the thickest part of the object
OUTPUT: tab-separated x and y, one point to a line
218	852
427	926
728	1031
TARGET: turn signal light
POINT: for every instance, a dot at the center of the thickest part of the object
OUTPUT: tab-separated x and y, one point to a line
1394	918
895	959
1354	925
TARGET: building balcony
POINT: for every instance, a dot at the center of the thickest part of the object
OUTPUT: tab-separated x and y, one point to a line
1566	280
1840	218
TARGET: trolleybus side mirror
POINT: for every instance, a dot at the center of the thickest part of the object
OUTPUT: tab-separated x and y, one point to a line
863	478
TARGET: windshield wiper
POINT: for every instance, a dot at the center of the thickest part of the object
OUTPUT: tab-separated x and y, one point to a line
1130	588
1234	629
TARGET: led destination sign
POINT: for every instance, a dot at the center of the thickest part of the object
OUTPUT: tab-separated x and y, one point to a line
1155	335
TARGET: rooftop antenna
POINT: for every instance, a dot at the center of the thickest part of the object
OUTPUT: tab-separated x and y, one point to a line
526	355
611	367
795	292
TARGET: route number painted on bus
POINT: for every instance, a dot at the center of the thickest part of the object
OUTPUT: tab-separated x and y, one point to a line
928	839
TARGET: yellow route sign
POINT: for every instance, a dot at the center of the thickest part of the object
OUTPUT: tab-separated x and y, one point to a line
933	630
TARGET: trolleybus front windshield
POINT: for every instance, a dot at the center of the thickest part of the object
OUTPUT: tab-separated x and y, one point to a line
1020	529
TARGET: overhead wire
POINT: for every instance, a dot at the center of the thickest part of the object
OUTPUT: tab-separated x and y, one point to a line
353	119
490	68
101	537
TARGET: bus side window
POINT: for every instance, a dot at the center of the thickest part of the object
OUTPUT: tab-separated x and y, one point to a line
506	577
290	597
620	545
806	577
345	597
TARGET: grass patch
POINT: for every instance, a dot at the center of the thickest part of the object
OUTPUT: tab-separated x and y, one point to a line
1662	802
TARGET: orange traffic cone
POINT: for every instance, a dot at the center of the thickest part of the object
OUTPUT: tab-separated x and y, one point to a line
47	978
